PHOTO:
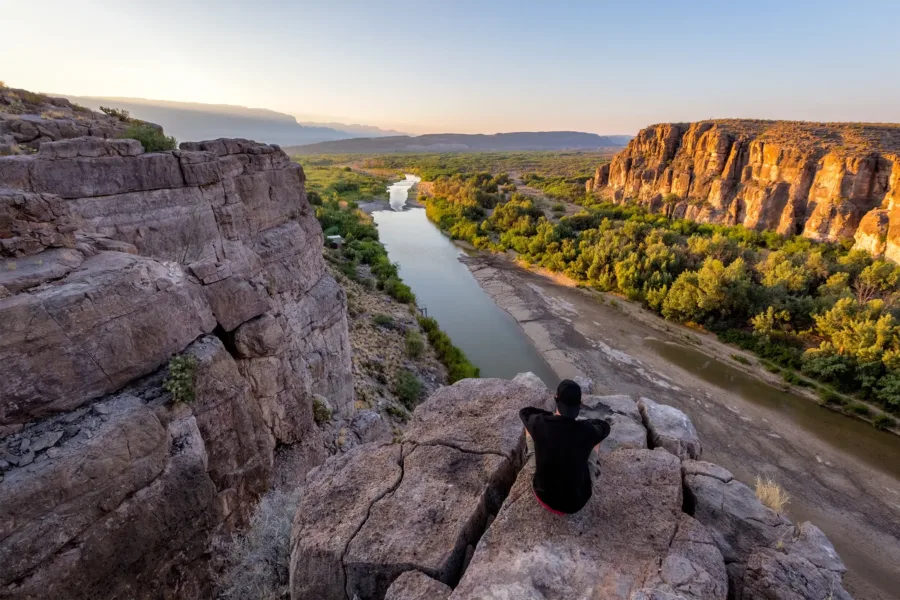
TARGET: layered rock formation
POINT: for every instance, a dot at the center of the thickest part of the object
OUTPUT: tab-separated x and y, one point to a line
448	512
114	260
828	182
27	120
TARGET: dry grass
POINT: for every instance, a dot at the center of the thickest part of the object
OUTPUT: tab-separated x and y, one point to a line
771	494
54	114
256	561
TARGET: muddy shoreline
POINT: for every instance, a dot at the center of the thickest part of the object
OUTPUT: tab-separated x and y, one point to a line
848	495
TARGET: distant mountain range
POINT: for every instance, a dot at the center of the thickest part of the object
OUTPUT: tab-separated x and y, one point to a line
460	142
191	121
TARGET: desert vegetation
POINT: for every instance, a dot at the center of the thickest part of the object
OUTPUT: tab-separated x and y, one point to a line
771	494
817	314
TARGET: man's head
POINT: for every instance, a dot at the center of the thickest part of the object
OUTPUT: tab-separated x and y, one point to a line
568	398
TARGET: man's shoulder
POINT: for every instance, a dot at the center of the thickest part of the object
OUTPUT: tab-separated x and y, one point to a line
534	410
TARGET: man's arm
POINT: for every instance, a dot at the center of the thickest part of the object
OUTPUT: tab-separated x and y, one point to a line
602	429
528	413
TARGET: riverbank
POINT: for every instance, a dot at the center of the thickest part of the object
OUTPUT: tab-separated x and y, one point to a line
839	472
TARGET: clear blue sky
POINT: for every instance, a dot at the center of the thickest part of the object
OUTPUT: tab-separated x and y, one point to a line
607	67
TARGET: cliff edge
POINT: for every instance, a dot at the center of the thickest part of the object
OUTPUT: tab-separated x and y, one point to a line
447	512
826	181
114	261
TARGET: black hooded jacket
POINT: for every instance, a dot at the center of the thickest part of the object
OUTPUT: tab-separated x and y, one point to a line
562	447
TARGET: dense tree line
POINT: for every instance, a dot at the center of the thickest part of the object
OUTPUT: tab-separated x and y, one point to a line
823	309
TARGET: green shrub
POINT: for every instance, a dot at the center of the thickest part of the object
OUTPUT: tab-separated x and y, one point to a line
771	367
458	366
741	359
558	208
116	113
383	320
321	414
398	290
152	139
414	344
397	412
791	378
408	389
884	422
859	408
180	381
829	397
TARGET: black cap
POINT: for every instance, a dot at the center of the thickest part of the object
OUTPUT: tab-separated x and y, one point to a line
568	398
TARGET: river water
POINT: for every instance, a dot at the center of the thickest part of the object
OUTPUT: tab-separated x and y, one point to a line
429	264
878	449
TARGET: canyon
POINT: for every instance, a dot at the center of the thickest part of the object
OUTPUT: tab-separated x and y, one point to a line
834	182
169	330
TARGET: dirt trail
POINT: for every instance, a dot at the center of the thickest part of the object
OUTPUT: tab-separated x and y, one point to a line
855	503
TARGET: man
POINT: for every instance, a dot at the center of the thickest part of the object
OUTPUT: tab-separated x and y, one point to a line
562	446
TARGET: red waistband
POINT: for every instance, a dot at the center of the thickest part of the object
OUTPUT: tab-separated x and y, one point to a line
541	502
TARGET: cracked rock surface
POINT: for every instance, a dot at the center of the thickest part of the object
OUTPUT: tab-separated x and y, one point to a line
449	512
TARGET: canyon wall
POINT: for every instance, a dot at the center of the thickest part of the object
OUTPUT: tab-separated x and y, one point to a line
828	182
114	260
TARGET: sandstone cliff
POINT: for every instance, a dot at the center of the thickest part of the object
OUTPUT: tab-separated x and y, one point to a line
828	182
447	512
114	260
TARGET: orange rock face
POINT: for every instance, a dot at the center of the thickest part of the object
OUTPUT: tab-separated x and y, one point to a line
826	181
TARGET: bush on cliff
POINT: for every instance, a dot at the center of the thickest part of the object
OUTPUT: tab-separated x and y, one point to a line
458	366
180	381
408	389
151	138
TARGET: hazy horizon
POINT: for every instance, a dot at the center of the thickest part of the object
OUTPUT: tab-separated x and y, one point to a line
471	67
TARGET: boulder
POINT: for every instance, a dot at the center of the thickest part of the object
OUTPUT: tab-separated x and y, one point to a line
693	567
607	550
334	505
738	521
532	380
670	429
775	575
415	585
586	384
439	509
626	428
125	490
370	426
476	415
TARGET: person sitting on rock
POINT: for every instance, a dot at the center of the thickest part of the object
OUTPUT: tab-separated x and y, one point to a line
562	447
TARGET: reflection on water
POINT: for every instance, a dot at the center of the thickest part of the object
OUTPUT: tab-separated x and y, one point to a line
879	449
488	335
399	191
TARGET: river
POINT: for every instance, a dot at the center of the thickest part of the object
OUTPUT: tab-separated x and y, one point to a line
445	288
843	475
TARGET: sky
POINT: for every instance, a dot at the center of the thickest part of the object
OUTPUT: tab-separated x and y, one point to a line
472	67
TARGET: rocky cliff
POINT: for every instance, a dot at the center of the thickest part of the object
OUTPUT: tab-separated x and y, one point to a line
447	512
115	260
826	181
